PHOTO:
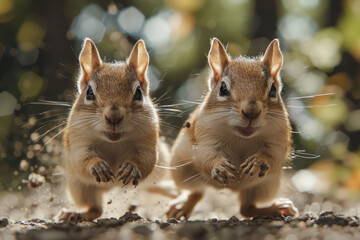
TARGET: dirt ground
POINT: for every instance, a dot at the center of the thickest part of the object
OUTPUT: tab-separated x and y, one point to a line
132	226
30	214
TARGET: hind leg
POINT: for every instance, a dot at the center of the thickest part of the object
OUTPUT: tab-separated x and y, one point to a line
192	187
262	193
185	207
276	209
84	195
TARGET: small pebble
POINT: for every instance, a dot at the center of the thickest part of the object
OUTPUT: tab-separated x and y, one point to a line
326	213
310	223
35	180
277	223
142	229
172	220
4	222
132	208
162	224
233	219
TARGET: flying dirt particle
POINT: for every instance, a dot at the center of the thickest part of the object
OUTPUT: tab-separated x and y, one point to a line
35	180
4	222
24	165
132	208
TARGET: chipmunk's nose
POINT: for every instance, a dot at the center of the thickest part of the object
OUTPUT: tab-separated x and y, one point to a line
114	115
113	120
251	109
251	114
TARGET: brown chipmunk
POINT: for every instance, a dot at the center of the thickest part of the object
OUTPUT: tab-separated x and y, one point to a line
239	137
112	132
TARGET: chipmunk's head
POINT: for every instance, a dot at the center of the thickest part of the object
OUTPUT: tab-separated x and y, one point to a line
113	98
245	92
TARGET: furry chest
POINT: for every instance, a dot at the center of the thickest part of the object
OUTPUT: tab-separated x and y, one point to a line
113	153
239	151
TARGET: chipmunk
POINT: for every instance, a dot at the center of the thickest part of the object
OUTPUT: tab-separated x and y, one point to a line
112	132
239	137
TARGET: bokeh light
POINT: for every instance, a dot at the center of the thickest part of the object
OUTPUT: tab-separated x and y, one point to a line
7	103
320	40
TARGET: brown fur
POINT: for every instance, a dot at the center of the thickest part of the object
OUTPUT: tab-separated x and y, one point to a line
214	148
94	162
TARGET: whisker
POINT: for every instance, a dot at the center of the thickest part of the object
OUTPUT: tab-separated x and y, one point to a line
51	129
64	129
66	66
48	112
197	178
313	96
303	154
185	111
189	178
312	106
169	125
45	124
63	76
51	103
184	159
169	115
190	102
47	117
173	168
161	97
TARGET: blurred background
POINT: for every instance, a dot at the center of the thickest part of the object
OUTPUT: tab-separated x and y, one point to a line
40	42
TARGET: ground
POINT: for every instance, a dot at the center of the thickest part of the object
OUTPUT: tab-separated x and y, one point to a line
132	226
30	214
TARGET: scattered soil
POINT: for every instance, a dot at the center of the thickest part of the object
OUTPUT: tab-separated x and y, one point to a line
327	225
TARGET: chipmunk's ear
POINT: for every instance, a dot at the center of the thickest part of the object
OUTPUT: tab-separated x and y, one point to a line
139	61
89	61
273	60
218	59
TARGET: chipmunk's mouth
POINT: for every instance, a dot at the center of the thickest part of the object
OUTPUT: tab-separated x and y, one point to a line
113	136
246	131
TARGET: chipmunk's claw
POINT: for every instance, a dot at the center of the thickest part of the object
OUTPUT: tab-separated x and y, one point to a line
128	172
224	174
102	172
70	217
253	166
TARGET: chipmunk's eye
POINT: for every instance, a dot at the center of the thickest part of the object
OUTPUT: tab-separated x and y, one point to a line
90	94
272	92
138	94
223	89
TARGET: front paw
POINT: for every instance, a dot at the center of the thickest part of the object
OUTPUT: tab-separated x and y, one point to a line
128	172
254	166
224	173
101	172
